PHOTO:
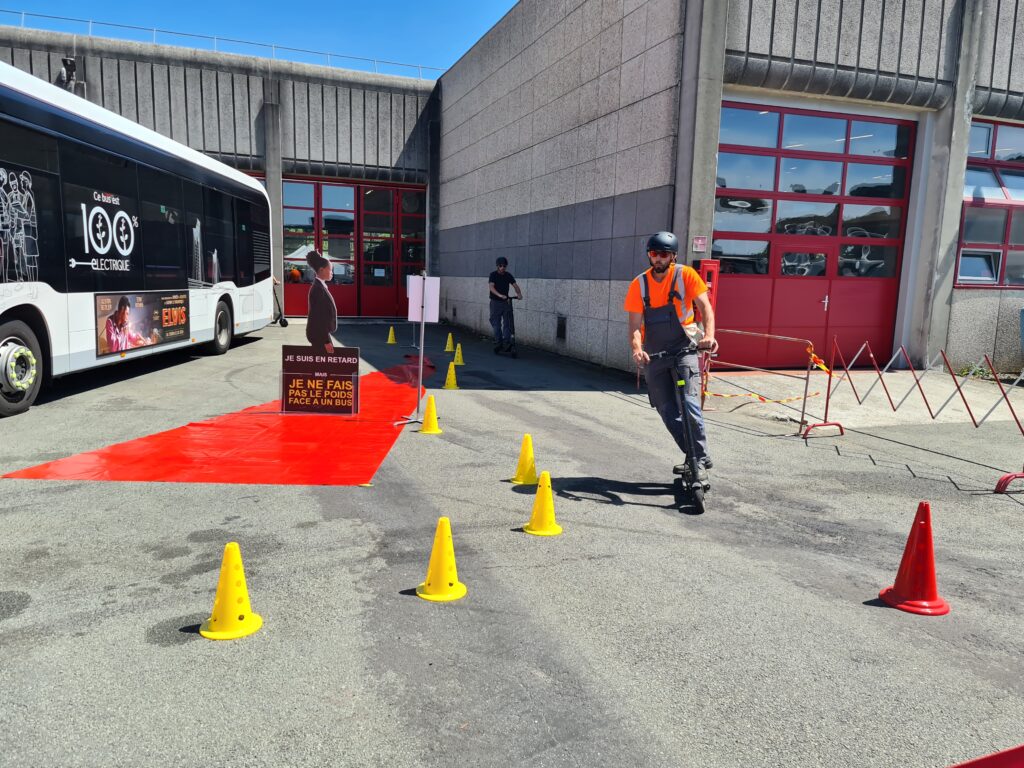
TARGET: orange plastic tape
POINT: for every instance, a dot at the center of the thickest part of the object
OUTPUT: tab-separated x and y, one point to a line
760	398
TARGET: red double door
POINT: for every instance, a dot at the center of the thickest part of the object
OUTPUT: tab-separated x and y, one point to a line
373	235
813	291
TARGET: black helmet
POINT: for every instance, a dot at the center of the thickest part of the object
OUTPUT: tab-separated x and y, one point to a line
663	241
501	262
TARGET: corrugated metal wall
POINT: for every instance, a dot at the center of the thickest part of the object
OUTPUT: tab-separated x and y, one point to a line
891	51
334	122
1000	86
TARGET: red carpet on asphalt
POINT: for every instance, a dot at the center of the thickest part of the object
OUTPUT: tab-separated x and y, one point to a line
259	445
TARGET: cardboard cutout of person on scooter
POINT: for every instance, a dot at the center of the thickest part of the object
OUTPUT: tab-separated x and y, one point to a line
499	284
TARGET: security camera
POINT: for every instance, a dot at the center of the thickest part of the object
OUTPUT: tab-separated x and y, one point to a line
67	74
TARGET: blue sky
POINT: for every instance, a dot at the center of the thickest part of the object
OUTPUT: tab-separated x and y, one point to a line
429	32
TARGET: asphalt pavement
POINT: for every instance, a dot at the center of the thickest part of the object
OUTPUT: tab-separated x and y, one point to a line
645	635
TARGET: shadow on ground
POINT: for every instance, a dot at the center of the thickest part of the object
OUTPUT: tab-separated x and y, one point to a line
617	493
534	369
125	370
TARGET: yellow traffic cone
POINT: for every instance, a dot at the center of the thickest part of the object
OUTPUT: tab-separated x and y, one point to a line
458	354
450	346
450	382
391	335
442	582
430	426
526	469
542	522
232	615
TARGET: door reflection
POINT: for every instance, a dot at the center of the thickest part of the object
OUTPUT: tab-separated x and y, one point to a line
803	264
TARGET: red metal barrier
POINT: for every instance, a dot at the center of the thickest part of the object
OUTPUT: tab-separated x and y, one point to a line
1005	480
1010	758
812	360
815	360
1004	483
708	271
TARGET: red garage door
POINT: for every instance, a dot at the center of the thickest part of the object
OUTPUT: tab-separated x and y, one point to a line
810	213
373	236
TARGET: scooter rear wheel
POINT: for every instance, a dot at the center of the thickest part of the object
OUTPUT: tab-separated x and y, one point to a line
697	493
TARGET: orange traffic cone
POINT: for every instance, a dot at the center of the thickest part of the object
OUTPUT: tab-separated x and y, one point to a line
915	589
232	615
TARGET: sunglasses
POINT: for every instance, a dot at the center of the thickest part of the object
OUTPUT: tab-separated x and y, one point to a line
660	254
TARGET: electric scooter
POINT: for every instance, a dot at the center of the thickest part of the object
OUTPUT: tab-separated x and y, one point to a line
281	319
690	476
509	349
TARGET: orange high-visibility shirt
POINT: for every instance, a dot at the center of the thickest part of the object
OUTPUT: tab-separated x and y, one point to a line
693	286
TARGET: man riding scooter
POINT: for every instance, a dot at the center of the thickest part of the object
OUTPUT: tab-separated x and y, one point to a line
663	335
499	283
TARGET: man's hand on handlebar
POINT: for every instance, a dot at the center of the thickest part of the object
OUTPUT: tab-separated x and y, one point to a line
708	344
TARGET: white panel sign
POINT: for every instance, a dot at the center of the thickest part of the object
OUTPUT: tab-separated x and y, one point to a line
428	300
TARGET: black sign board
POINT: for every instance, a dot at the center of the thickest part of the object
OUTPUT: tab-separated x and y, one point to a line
319	382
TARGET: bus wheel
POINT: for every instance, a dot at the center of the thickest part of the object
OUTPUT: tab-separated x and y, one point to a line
222	329
21	368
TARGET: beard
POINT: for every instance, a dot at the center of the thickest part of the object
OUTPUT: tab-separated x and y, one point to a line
660	269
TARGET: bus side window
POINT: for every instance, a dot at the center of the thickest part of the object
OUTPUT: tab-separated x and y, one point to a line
162	230
219	245
261	241
243	242
194	252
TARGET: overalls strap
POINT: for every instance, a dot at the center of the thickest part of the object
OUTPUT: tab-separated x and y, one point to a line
676	292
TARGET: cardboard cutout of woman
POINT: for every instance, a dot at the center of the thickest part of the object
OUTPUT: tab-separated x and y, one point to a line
322	320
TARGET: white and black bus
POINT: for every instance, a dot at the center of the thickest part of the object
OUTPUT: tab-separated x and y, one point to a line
116	241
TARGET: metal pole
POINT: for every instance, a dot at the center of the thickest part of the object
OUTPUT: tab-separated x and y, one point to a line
423	330
90	27
415	418
154	35
803	407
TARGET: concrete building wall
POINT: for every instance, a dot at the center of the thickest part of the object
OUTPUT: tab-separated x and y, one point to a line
558	141
986	323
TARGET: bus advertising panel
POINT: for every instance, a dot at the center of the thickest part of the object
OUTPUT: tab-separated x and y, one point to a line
126	321
320	382
101	221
